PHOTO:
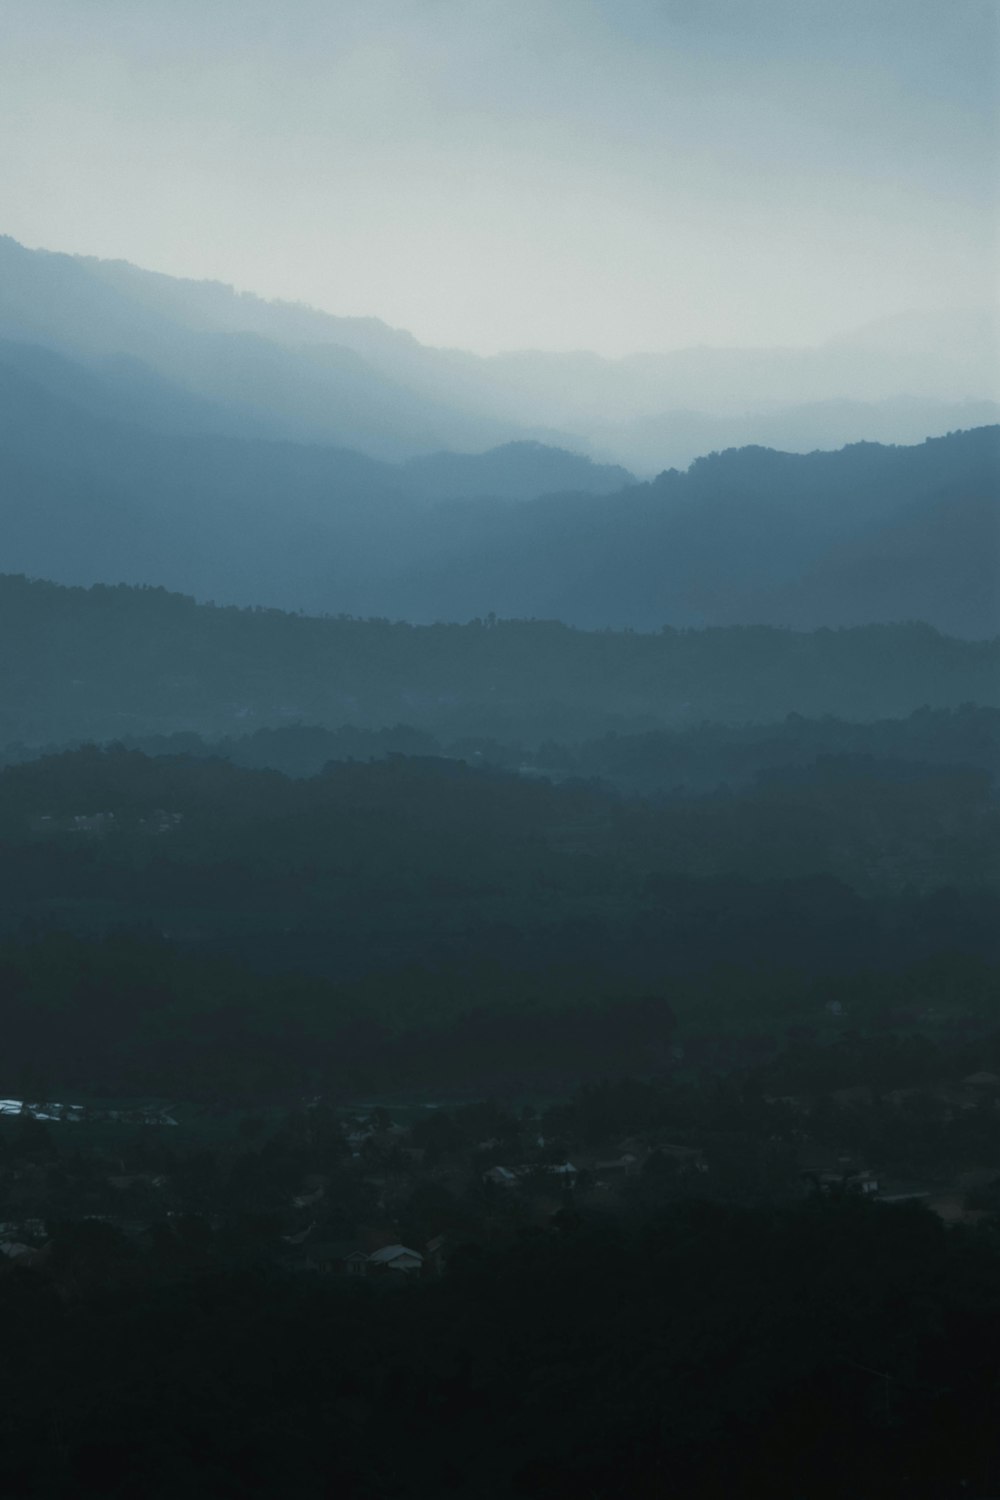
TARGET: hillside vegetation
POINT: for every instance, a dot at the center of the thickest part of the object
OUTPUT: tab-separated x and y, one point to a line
103	663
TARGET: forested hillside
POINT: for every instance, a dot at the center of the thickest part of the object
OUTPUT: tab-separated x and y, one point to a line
654	762
139	487
499	750
107	662
457	908
863	535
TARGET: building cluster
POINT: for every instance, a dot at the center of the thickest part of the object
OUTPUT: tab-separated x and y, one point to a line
391	1195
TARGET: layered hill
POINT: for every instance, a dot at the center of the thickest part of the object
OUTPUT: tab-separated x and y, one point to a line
95	489
160	431
104	663
293	372
304	391
866	534
117	476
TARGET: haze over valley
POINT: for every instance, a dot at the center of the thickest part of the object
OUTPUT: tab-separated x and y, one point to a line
156	431
209	359
499	749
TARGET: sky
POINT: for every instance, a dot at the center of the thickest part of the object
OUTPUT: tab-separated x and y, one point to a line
616	175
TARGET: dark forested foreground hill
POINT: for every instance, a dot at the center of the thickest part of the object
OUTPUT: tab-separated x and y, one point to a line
458	911
826	1348
105	663
462	927
421	828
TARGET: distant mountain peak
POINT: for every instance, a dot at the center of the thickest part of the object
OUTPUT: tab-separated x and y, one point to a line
301	374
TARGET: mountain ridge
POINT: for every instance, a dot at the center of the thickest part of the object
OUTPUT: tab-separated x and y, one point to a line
313	376
89	499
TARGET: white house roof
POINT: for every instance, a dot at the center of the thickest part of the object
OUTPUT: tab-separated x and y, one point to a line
389	1253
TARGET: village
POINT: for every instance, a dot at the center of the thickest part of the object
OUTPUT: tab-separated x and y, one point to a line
91	1196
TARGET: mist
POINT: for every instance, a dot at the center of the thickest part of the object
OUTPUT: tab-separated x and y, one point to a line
499	734
579	175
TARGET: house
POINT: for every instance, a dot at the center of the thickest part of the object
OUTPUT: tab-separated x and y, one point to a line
979	1089
899	1097
123	1182
23	1229
902	1192
842	1174
161	821
306	1200
301	1237
14	1250
14	1253
350	1262
625	1165
848	1181
982	1081
396	1258
564	1170
500	1177
91	822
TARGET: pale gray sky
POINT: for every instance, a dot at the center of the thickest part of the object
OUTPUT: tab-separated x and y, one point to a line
496	174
